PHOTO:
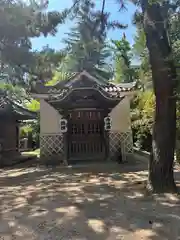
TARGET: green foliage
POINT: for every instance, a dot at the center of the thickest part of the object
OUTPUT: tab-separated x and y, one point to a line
21	21
143	109
178	133
32	129
172	23
85	43
123	50
14	92
57	77
142	118
45	63
139	43
173	28
33	105
140	51
34	126
123	59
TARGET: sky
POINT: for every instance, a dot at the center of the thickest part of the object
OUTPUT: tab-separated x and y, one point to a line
123	16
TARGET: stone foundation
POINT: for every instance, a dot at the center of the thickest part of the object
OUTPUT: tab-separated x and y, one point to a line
53	153
52	149
120	143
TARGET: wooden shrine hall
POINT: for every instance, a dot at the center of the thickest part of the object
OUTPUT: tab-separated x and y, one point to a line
84	119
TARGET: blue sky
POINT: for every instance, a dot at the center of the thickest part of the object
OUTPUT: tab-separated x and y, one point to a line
111	6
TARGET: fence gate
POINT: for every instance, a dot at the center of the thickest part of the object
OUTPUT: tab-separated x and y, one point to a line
86	139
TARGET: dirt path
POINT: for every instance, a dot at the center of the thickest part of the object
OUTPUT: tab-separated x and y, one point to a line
100	203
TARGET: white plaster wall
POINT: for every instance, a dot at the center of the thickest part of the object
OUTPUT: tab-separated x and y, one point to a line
49	118
120	115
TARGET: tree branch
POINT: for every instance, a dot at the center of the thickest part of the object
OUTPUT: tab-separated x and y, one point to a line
102	17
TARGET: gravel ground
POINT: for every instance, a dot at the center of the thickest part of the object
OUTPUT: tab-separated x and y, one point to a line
102	202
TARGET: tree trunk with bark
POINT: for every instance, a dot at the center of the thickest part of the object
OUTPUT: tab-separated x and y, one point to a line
161	161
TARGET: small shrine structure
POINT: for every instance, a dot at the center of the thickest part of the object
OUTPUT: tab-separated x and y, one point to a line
84	119
11	115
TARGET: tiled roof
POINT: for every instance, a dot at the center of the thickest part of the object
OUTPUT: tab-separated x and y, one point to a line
7	107
110	93
121	87
65	84
111	88
54	90
118	89
4	104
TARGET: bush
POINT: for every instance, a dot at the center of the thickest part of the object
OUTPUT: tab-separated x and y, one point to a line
34	127
142	118
142	113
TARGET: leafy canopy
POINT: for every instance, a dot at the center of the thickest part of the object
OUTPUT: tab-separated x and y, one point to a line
19	22
124	71
85	43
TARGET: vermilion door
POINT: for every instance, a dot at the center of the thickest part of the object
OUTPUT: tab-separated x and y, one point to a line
86	140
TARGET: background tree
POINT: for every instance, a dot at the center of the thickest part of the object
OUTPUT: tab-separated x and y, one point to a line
163	65
21	21
158	18
141	53
46	62
86	46
155	17
19	65
142	113
124	71
86	43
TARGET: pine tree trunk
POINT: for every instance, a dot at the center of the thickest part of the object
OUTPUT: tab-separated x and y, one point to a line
161	161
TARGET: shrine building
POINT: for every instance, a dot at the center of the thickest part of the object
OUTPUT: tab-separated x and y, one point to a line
84	119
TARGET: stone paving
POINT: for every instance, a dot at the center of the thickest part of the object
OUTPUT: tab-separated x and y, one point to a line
85	203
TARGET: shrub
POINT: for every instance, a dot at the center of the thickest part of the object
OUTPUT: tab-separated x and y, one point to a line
142	118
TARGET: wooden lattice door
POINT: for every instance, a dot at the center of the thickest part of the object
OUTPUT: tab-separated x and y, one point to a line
86	140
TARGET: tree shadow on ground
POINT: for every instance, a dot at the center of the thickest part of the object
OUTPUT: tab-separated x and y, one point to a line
101	202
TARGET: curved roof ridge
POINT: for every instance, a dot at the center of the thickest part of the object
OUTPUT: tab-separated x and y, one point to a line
7	106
